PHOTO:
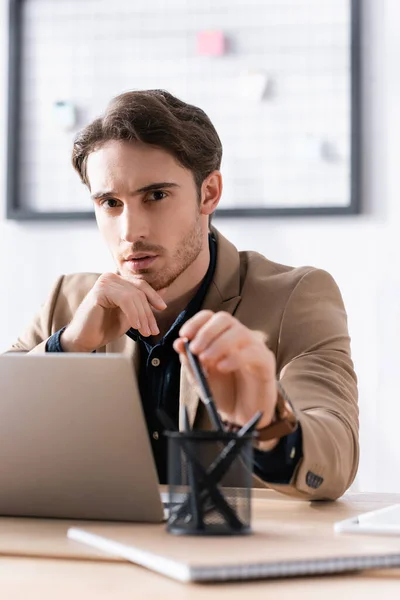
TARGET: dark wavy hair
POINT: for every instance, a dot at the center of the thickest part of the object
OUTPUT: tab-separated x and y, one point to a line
154	117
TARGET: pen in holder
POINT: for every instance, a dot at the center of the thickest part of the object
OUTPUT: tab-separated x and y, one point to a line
209	472
209	480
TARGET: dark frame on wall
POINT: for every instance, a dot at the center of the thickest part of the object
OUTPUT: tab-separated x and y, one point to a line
15	209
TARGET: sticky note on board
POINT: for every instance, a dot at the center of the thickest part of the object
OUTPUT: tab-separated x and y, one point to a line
211	43
252	85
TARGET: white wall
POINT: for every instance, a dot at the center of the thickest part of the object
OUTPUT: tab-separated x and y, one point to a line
359	251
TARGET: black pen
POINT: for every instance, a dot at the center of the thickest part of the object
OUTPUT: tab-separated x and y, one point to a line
196	512
205	391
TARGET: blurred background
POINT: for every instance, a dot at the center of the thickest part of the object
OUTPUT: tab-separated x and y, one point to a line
275	78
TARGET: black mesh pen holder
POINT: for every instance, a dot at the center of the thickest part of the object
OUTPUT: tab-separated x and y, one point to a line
209	482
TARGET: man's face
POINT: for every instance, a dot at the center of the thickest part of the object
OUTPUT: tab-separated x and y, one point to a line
147	210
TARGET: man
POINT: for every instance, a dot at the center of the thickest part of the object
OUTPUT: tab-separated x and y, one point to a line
265	334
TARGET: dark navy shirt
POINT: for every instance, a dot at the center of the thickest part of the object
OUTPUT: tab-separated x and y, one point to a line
159	384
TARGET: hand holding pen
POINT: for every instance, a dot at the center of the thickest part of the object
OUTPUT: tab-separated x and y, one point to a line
241	370
205	392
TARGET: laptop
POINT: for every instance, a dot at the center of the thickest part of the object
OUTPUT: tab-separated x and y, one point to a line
74	441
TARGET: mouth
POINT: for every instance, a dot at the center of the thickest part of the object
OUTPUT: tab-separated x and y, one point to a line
138	262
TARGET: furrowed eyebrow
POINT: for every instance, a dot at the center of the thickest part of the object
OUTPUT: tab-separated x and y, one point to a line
156	186
147	188
101	195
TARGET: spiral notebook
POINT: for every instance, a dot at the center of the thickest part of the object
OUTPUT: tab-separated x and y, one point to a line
272	551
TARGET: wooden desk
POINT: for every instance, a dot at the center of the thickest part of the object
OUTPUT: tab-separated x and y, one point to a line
29	570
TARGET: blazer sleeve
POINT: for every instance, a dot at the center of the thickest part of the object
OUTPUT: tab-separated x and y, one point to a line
315	368
42	327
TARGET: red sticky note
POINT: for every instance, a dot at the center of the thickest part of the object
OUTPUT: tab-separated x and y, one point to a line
210	43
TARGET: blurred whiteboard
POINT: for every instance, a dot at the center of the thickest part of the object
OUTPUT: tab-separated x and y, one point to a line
280	96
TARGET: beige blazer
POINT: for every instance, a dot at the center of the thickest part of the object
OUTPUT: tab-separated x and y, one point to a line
301	310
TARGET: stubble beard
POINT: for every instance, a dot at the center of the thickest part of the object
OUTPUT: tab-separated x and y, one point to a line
186	253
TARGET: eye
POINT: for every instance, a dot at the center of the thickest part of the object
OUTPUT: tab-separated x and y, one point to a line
109	203
157	195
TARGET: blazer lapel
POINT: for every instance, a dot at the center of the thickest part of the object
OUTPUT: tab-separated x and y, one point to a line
223	295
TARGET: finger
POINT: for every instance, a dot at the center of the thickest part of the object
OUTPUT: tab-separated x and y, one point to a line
129	310
110	287
154	299
225	344
142	318
211	330
191	327
151	320
260	363
179	345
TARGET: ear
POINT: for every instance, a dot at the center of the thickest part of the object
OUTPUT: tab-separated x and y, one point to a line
211	190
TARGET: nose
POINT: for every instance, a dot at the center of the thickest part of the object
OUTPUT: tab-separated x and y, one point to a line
134	225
